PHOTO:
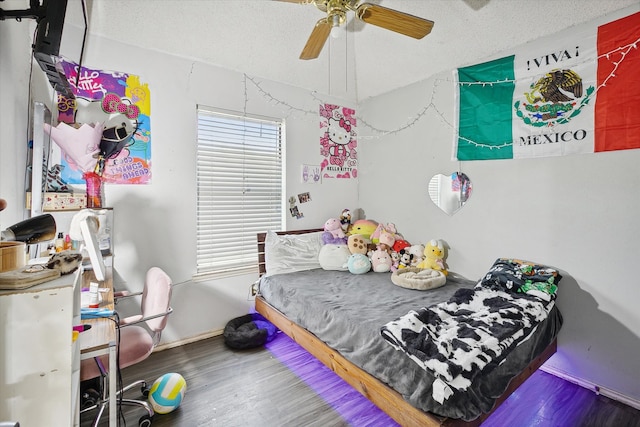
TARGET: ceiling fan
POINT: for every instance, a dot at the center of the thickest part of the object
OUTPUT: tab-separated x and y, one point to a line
380	16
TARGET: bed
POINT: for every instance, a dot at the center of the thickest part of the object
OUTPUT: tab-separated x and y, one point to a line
340	317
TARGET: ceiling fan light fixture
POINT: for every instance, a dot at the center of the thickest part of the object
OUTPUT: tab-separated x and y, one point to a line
370	13
336	20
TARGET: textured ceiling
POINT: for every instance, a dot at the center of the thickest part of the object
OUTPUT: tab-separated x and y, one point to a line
263	38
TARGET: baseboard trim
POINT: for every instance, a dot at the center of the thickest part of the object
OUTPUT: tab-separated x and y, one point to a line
204	336
607	392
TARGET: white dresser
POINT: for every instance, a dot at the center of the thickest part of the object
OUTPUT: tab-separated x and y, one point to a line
39	360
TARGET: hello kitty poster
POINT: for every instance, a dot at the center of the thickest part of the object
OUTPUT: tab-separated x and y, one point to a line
338	142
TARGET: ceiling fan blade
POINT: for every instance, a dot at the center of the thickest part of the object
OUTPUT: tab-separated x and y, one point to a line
317	39
394	20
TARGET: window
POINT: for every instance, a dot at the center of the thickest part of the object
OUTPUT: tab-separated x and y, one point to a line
240	188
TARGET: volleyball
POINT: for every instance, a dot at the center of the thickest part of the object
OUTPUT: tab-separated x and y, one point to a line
167	392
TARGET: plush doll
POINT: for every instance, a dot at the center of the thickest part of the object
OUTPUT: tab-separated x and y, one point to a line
358	264
364	227
395	260
434	256
417	251
381	261
385	241
400	244
357	244
405	258
389	228
328	239
334	257
345	220
333	234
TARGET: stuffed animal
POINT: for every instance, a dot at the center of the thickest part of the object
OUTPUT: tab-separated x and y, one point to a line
358	264
400	244
389	227
357	244
385	241
345	220
405	258
328	239
333	226
418	254
434	256
364	227
334	257
395	260
381	261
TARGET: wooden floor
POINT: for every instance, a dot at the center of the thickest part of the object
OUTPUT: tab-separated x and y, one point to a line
282	385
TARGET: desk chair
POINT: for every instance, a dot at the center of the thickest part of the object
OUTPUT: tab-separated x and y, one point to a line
135	345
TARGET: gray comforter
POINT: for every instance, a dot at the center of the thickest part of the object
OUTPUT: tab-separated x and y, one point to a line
346	311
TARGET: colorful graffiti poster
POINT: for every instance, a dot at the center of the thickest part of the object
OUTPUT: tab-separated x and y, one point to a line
119	103
338	142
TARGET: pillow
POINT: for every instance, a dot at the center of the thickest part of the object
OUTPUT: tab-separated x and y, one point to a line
291	252
334	257
522	276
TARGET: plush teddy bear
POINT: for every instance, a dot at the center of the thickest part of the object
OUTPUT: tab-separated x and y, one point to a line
434	256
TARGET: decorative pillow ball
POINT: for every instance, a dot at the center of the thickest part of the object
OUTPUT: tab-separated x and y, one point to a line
421	279
334	257
358	264
167	392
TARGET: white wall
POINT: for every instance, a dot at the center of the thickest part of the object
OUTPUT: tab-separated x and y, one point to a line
155	224
577	213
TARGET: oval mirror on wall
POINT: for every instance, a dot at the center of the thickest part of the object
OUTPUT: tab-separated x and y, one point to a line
450	192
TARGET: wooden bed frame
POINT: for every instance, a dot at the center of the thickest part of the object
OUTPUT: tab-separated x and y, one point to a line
387	399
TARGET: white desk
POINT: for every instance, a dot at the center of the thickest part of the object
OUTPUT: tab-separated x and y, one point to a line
102	339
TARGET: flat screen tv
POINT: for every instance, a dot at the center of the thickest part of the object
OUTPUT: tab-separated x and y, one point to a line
49	15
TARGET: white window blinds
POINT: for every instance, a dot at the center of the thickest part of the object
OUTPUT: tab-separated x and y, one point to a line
240	180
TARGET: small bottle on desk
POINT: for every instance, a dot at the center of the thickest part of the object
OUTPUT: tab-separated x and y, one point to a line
60	242
94	299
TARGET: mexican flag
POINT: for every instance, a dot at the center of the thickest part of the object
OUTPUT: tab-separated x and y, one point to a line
579	93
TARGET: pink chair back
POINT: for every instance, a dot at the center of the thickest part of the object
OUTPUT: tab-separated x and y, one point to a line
156	298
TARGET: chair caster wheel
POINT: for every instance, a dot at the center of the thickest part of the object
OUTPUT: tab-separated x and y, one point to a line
90	398
144	390
144	421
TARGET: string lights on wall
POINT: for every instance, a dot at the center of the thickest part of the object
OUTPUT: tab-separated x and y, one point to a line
620	53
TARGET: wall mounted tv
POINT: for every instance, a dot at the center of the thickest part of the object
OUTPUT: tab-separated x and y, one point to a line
49	16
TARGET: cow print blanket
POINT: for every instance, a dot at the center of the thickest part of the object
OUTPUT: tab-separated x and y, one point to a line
470	334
